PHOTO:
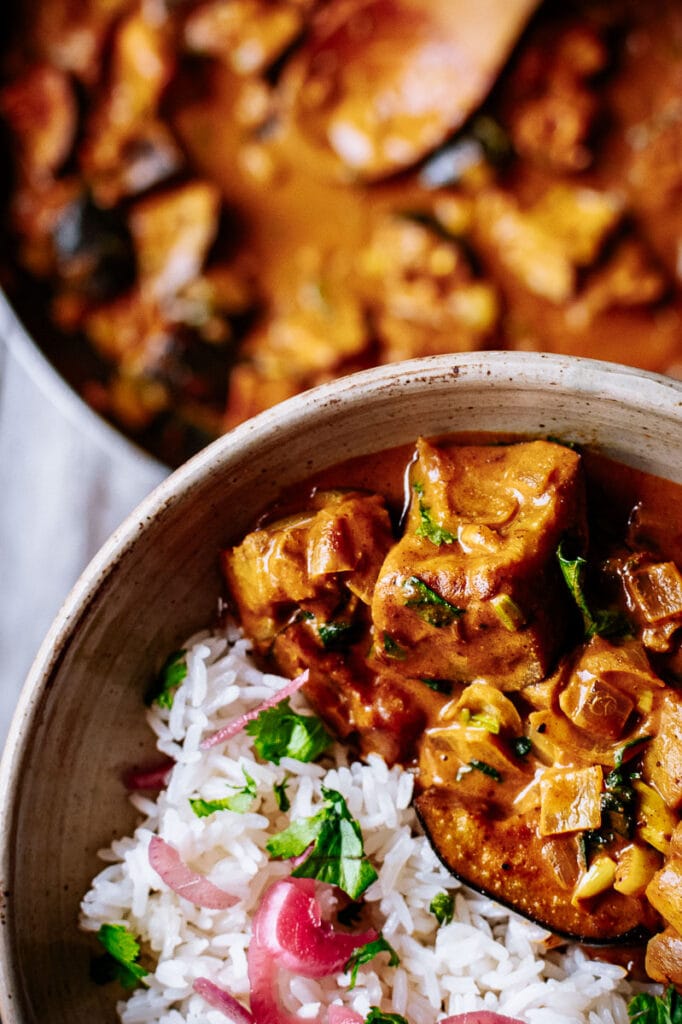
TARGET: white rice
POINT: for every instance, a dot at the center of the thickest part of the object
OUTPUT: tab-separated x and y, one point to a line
486	958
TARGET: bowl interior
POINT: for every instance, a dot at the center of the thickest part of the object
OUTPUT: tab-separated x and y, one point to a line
80	722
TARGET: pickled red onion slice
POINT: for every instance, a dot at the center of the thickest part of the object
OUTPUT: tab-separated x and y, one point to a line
480	1017
189	884
237	724
289	934
149	778
222	1000
343	1015
289	925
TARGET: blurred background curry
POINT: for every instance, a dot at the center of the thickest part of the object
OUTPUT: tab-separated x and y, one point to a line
212	205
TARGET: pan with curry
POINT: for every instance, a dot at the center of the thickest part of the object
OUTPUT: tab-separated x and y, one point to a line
505	619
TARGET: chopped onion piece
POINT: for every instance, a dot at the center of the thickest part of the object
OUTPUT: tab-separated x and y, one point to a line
288	923
189	884
480	1017
237	724
343	1015
289	933
150	778
222	1000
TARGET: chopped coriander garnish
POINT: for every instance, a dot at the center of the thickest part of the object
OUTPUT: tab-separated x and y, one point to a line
487	769
281	798
442	906
645	1008
121	960
173	671
428	527
393	648
335	636
333	842
240	801
521	746
603	622
439	685
363	955
429	605
281	732
377	1016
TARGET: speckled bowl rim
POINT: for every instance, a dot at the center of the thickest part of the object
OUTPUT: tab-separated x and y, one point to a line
540	373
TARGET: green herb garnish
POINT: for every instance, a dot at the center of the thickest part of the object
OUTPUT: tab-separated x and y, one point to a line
363	955
649	1009
121	960
429	605
438	685
603	622
393	648
335	850
428	527
377	1016
618	802
240	802
442	906
336	636
487	769
173	671
521	746
281	732
281	798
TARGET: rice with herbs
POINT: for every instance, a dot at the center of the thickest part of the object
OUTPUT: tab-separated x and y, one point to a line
485	958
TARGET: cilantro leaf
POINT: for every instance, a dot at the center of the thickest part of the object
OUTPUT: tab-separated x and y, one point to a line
281	798
438	685
521	746
393	648
336	635
281	732
377	1016
649	1009
334	846
120	962
487	769
363	955
604	621
429	605
442	906
173	671
240	802
428	527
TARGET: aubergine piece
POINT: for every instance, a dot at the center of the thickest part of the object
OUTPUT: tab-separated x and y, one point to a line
473	589
504	857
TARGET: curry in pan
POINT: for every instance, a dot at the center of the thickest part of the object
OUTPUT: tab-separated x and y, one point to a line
215	217
511	629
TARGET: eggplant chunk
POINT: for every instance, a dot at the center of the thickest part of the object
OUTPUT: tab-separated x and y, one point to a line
505	858
473	590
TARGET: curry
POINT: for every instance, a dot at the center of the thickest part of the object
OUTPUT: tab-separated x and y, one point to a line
197	202
505	618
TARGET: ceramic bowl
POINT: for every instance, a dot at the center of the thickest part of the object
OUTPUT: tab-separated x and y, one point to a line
80	719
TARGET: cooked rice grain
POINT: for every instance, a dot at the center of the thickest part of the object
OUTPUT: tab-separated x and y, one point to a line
487	958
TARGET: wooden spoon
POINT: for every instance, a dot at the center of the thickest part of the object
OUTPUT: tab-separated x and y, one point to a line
380	83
